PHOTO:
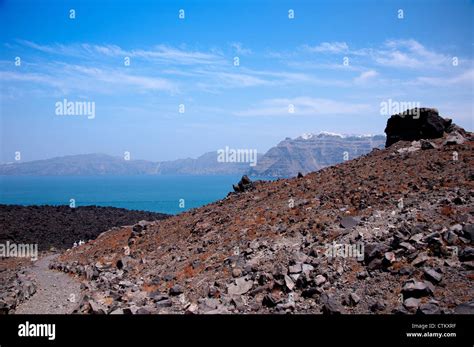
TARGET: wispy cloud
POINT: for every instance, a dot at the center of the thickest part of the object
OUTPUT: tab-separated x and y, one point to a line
463	78
365	76
328	47
239	49
304	106
409	54
183	70
397	53
159	53
68	78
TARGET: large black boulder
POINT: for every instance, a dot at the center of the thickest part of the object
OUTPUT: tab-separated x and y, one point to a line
244	184
416	124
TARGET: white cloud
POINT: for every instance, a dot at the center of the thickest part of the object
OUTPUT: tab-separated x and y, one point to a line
304	106
464	78
172	55
239	49
66	78
165	68
328	47
408	54
399	53
240	79
159	53
365	76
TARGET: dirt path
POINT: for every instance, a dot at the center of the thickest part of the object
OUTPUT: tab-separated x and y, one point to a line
56	292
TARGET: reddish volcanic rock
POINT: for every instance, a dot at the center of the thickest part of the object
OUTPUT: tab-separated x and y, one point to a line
280	247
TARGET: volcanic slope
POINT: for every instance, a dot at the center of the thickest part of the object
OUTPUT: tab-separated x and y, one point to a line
264	250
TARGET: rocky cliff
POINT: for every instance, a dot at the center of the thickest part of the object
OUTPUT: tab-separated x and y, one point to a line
311	152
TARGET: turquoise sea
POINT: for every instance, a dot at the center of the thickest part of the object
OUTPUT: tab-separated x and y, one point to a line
150	193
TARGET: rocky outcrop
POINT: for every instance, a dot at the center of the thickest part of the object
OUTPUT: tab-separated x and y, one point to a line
243	185
16	286
416	124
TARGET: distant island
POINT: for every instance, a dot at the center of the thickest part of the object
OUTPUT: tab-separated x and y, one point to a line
306	153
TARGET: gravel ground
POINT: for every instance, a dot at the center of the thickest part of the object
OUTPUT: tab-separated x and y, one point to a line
56	293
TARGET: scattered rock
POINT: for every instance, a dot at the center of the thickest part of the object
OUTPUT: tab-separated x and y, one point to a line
468	230
425	144
429	308
416	289
377	306
241	286
420	259
432	275
411	304
465	308
289	283
349	222
389	258
354	299
454	139
466	254
295	269
319	280
330	305
270	301
236	272
176	290
251	253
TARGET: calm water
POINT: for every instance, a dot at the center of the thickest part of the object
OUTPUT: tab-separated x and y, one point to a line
151	193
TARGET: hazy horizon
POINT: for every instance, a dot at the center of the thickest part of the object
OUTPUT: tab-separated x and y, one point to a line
120	155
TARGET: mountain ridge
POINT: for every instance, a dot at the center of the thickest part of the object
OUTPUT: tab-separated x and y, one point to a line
205	164
312	152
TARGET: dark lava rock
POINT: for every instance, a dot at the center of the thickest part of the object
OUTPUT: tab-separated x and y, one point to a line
432	275
377	306
466	254
176	290
349	222
427	145
374	250
61	226
429	308
354	299
415	124
269	301
416	289
330	305
244	184
411	304
465	308
143	310
469	231
164	303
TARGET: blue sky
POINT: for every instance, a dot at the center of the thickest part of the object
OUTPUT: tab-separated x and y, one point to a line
190	61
